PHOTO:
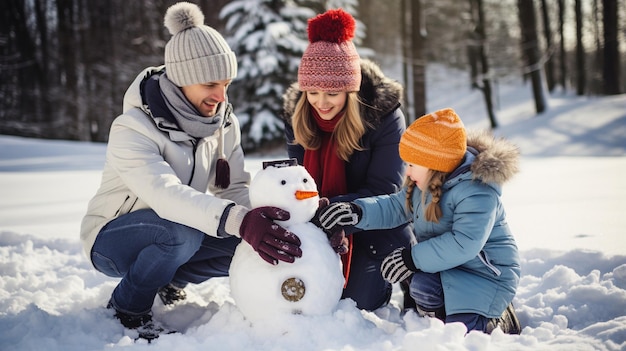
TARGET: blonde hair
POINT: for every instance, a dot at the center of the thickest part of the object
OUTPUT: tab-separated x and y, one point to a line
434	181
347	133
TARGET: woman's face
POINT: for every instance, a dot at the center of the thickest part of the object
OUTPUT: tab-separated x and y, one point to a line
418	174
327	103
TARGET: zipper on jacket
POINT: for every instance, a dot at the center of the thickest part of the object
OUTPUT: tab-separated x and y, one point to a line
485	260
194	142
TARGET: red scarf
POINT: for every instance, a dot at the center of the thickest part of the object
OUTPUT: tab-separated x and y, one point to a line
329	171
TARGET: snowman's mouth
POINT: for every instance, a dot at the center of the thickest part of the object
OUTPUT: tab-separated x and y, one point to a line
303	194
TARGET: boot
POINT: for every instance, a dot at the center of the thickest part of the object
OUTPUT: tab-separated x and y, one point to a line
508	322
439	313
170	294
145	326
408	302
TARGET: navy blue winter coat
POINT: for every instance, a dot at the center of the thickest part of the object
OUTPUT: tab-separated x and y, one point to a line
377	169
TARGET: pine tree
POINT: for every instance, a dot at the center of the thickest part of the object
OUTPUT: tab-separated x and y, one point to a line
269	37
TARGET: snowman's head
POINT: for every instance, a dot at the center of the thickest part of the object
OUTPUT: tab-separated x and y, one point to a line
291	188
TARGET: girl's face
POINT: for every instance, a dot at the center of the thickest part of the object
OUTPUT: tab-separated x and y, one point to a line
207	97
327	103
418	174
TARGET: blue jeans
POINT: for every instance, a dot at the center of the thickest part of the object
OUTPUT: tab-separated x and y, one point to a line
427	291
148	252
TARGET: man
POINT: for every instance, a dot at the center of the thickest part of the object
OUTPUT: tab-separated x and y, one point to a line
173	200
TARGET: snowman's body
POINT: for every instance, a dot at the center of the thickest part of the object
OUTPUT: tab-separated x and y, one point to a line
313	284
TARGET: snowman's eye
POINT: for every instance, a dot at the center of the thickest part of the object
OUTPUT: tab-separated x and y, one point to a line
305	180
283	182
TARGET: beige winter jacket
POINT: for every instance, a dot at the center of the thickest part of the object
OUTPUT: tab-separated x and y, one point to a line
150	164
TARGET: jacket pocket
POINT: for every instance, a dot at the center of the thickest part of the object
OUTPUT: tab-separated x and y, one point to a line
484	258
127	205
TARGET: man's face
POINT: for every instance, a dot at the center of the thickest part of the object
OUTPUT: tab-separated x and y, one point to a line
206	97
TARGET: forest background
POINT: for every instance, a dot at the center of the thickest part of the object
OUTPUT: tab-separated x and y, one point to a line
65	64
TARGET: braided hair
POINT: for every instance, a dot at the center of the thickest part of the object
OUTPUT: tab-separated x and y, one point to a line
434	180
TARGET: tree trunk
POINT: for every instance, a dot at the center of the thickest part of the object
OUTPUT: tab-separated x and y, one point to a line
478	16
531	52
100	73
547	33
562	56
418	60
580	50
68	69
406	44
20	73
611	66
42	26
594	78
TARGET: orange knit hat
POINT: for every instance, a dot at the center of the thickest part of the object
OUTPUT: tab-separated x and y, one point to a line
436	140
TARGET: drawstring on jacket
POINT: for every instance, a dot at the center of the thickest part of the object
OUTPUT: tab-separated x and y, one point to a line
222	168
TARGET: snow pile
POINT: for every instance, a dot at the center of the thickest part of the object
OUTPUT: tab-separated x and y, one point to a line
52	299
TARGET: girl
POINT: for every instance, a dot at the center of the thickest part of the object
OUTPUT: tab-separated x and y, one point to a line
465	266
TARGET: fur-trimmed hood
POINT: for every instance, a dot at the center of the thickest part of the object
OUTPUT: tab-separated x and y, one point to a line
380	95
497	160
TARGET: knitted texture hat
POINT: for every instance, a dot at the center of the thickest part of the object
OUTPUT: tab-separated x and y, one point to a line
436	140
330	62
196	53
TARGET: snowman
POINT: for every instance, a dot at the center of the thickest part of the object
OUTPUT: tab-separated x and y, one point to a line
313	284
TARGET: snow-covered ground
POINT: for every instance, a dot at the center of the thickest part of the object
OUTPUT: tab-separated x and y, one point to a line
566	208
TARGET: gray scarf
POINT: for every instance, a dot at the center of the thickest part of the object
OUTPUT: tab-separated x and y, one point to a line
188	118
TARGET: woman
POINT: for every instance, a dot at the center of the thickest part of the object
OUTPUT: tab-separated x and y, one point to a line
343	124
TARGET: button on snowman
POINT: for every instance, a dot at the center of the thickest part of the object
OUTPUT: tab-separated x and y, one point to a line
313	284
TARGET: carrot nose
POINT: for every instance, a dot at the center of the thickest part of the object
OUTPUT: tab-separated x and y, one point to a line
303	194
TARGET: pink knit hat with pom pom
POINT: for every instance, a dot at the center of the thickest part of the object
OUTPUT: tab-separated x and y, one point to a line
330	62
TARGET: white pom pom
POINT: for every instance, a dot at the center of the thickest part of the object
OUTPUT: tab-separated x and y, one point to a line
181	16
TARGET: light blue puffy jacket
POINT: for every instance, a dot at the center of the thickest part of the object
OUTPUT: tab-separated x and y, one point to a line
471	246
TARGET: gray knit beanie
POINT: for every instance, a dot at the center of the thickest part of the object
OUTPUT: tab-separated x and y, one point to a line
196	53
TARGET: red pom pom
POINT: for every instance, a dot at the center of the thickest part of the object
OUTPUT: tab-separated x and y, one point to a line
334	26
